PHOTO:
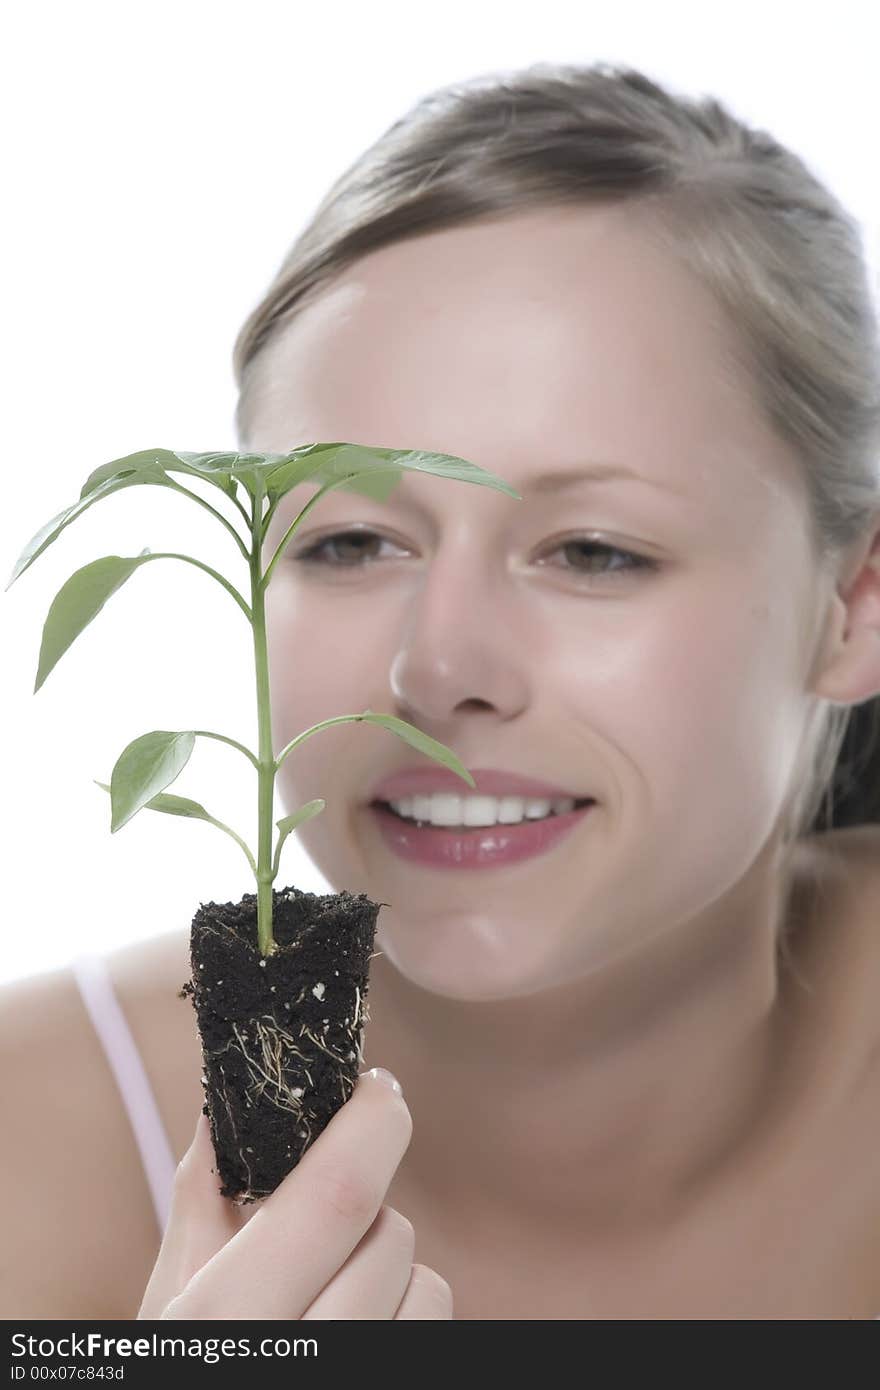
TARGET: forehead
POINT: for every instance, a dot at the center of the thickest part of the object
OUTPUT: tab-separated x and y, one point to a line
525	343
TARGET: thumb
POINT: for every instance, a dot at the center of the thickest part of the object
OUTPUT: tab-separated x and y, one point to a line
200	1223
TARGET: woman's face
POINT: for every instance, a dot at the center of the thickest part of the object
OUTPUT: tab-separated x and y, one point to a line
675	696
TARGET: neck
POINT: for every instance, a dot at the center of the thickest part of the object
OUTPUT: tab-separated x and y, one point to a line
607	1102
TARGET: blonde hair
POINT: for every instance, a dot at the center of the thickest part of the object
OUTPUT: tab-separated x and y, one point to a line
775	246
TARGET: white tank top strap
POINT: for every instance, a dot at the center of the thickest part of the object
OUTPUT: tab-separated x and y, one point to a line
92	975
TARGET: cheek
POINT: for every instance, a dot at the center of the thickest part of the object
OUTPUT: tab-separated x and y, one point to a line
698	701
324	661
306	669
316	642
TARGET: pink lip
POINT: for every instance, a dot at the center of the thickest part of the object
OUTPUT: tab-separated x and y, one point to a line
483	847
421	781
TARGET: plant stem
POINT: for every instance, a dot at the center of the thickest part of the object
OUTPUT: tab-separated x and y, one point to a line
265	759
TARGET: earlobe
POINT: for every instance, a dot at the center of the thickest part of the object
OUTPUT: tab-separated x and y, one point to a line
853	675
826	681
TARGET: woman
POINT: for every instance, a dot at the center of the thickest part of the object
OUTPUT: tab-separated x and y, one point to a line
640	1059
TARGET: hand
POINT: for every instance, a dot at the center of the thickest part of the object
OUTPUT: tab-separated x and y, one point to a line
320	1246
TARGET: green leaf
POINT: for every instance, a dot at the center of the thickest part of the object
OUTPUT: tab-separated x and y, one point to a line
326	463
182	806
306	812
224	469
220	469
52	530
149	462
249	469
438	751
146	766
80	600
172	805
149	466
318	462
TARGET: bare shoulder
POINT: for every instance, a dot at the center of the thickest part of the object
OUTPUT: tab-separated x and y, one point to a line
78	1222
81	1232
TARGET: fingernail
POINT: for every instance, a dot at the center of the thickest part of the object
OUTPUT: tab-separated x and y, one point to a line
381	1074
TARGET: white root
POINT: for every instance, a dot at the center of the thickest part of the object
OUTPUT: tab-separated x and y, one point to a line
263	1049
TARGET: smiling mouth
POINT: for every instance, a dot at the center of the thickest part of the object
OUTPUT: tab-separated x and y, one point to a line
507	825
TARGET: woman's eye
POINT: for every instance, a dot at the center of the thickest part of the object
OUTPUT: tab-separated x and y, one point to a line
581	550
584	548
313	553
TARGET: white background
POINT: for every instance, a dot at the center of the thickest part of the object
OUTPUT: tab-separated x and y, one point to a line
159	159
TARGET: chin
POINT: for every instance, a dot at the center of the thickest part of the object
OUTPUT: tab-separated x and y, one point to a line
467	957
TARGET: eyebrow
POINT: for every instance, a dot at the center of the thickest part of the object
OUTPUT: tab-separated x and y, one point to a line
595	472
557	481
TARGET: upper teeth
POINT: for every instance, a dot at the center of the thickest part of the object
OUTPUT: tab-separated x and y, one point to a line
449	808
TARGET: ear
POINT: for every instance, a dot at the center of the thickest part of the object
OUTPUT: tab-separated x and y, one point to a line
849	672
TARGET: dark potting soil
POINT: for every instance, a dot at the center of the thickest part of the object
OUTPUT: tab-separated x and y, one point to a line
282	1035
